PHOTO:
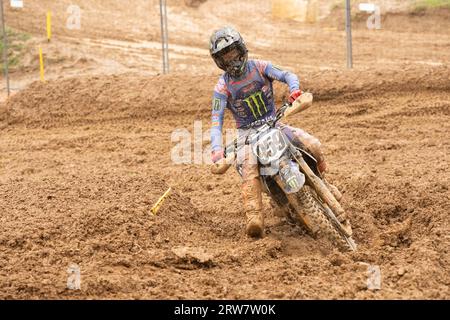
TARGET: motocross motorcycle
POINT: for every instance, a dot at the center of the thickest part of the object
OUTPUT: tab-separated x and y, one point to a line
289	175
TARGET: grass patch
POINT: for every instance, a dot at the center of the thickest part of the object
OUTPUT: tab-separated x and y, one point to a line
434	3
16	47
337	5
421	6
341	4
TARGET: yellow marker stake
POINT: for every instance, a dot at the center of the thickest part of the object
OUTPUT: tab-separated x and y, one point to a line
41	62
160	202
49	25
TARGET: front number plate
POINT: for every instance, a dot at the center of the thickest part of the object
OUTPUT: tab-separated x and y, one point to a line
269	146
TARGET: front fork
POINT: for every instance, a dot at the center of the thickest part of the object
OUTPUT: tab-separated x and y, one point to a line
331	205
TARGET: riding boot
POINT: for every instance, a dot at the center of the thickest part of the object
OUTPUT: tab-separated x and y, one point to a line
251	192
255	224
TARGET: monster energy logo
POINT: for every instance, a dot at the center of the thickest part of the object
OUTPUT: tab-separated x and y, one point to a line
277	68
255	102
216	104
292	182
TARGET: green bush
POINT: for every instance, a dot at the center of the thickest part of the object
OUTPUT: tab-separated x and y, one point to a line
16	47
432	4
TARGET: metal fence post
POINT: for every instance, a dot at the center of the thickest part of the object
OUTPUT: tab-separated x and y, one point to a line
348	27
5	48
164	35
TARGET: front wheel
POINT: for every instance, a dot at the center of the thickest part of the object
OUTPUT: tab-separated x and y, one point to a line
311	213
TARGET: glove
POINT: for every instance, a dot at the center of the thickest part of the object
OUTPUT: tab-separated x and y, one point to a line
217	155
294	95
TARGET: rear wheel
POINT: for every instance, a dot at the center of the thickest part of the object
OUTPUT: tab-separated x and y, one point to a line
310	212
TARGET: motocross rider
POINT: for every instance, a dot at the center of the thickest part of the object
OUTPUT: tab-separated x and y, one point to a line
245	88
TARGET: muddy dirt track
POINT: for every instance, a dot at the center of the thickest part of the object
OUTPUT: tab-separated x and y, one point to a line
82	161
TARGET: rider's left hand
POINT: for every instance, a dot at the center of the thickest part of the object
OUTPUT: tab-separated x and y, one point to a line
294	95
217	155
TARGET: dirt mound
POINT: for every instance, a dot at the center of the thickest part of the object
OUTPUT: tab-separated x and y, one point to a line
89	99
112	98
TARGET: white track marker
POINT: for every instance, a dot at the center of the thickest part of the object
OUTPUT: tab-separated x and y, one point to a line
16	4
374	21
367	7
160	201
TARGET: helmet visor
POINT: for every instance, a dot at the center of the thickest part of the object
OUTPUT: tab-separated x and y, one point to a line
233	61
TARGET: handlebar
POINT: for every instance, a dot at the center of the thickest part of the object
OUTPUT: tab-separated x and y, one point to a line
230	152
281	111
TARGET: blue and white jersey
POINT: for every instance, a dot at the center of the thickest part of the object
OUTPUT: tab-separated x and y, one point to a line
249	98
